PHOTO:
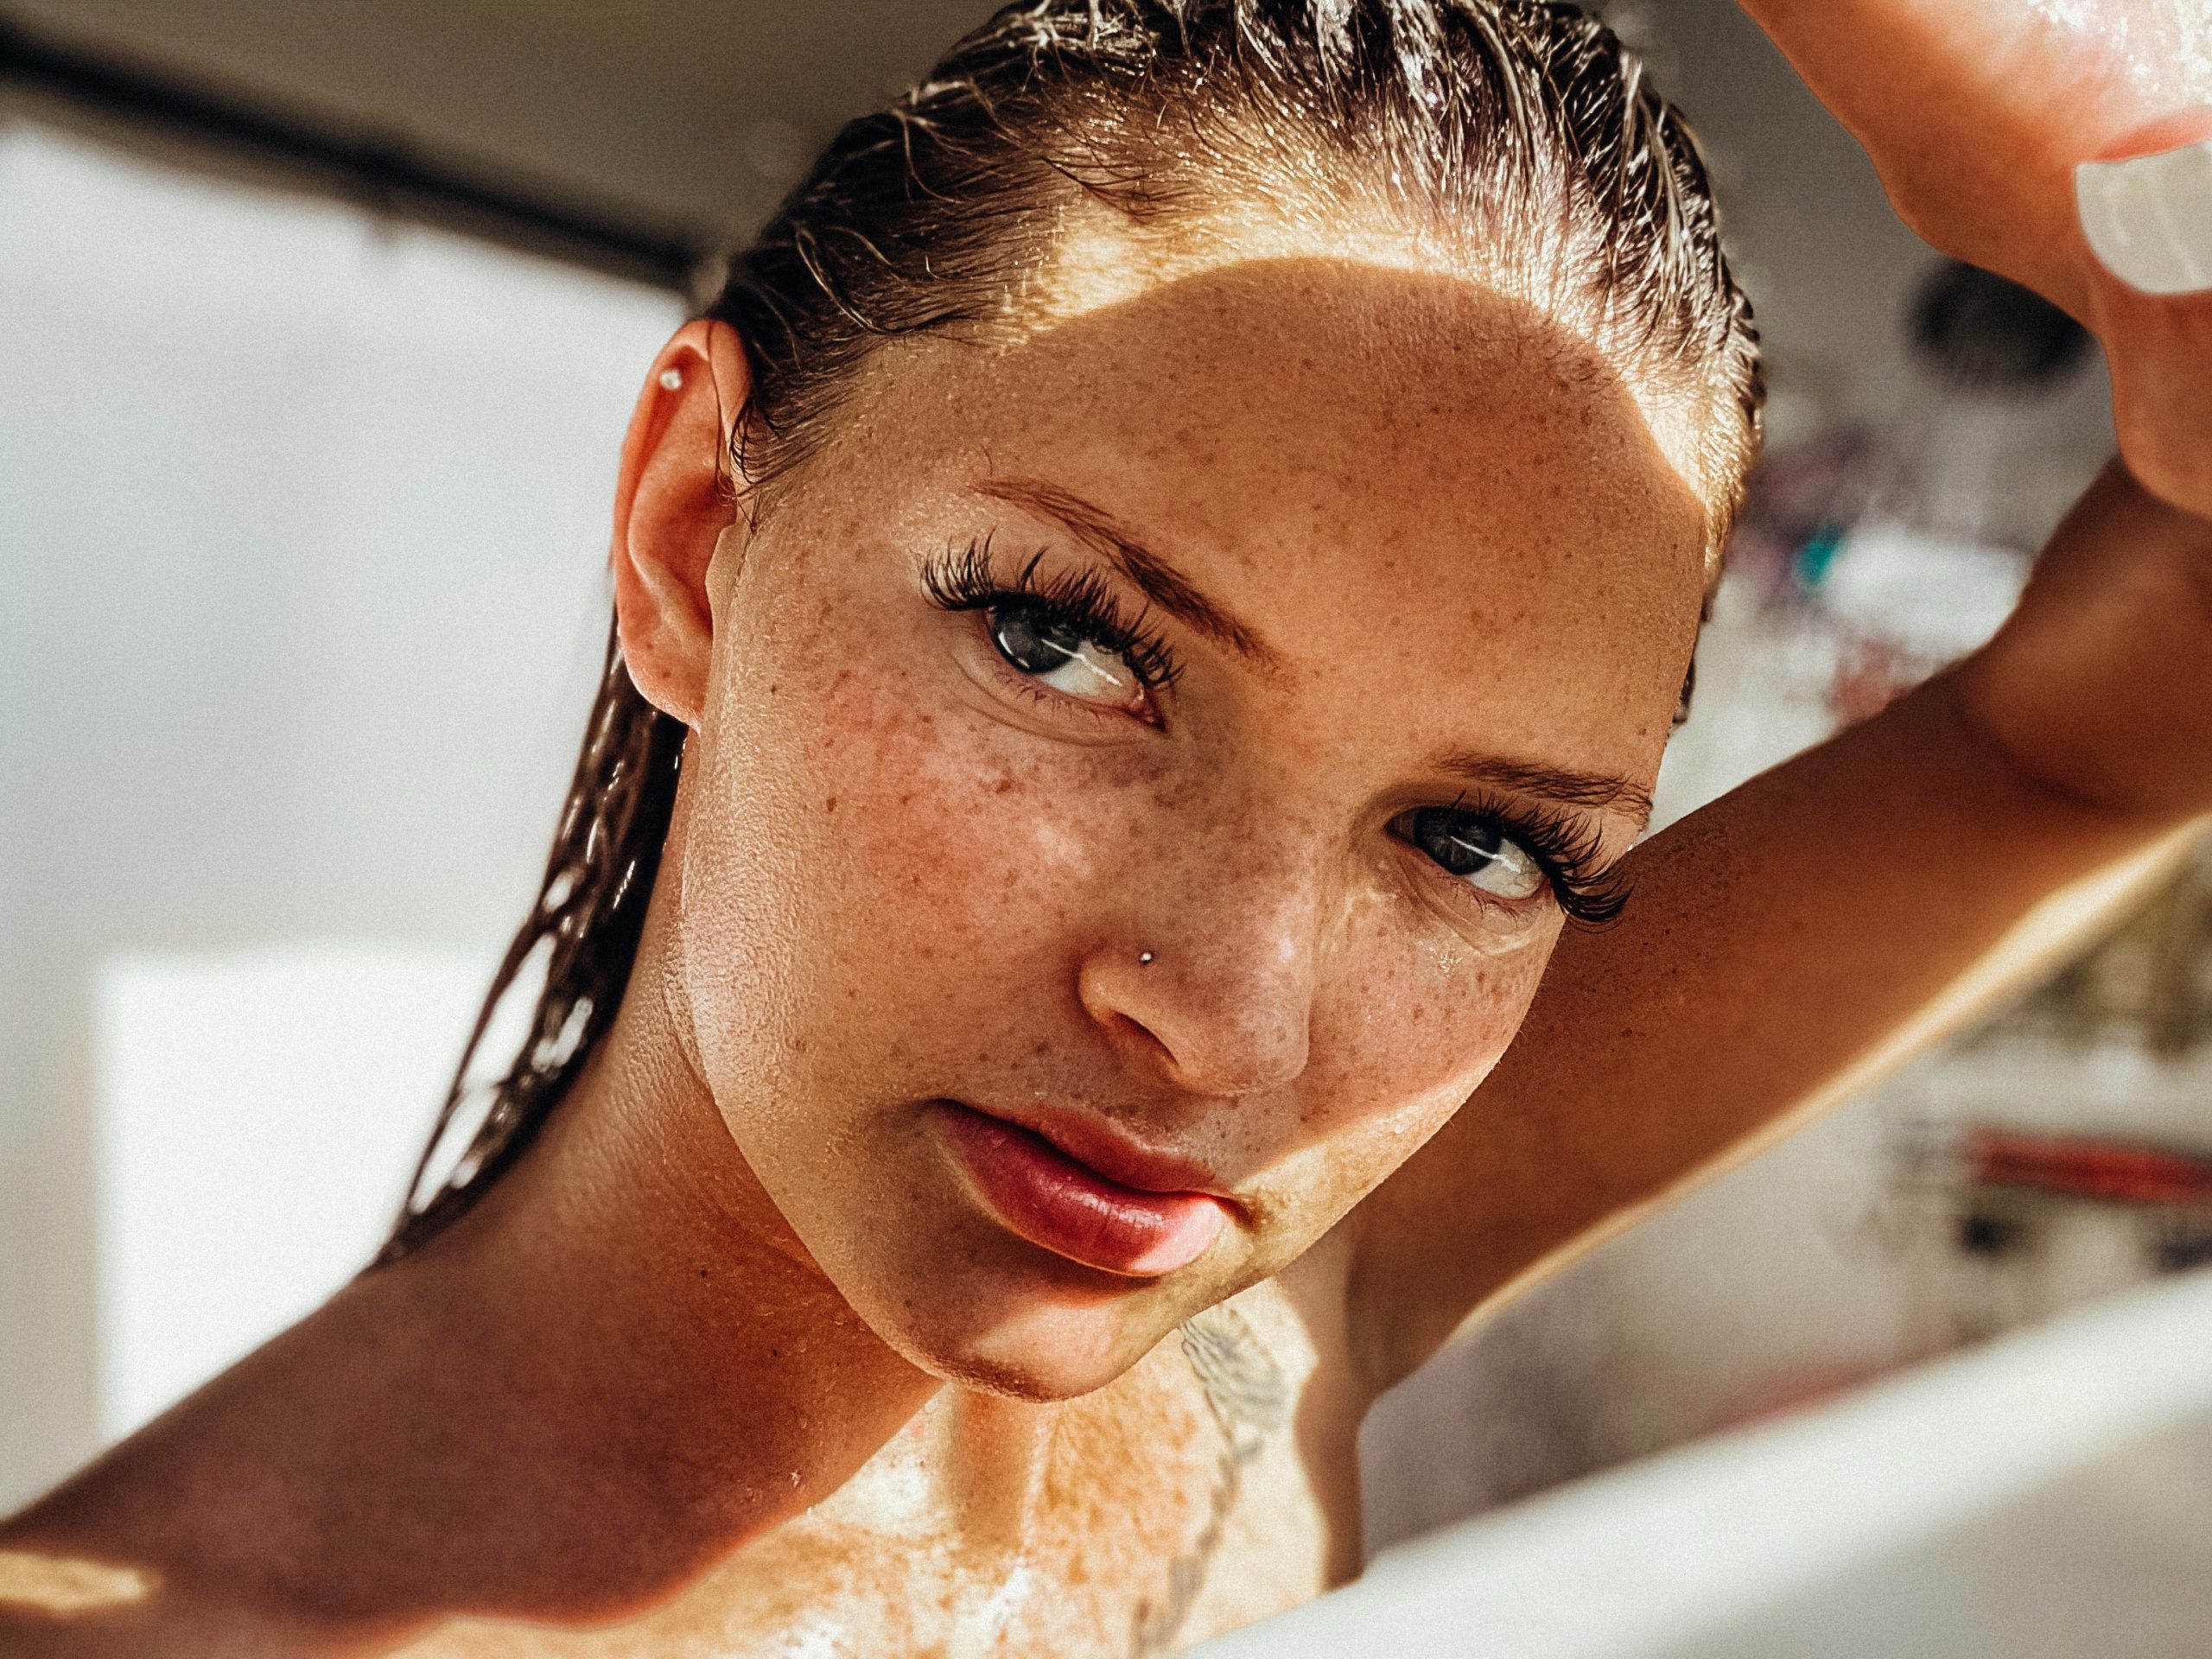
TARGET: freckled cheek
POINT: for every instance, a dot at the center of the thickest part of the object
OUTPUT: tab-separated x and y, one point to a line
1399	1043
950	851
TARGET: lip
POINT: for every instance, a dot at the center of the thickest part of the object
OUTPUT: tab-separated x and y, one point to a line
1081	1192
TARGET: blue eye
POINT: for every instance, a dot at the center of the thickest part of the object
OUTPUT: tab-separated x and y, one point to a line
1476	850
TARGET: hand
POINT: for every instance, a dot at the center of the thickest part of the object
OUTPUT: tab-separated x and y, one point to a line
1977	114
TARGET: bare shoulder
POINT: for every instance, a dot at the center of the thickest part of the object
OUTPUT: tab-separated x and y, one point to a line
56	1600
64	1597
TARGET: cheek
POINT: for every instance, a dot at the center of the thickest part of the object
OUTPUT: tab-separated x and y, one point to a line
877	872
885	888
965	852
1408	1024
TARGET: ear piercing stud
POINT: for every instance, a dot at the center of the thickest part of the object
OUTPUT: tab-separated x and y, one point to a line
671	379
1144	959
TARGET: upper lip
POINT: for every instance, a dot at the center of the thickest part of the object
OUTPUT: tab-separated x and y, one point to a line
1111	1151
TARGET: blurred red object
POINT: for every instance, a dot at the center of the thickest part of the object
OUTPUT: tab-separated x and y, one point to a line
2114	1171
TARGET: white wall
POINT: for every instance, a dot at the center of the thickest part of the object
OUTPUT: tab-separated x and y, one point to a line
256	1114
302	531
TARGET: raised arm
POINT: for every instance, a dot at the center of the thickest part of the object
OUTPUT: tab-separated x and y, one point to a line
1831	916
1790	940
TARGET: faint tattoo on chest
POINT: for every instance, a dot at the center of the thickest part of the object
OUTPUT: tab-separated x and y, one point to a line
1250	1401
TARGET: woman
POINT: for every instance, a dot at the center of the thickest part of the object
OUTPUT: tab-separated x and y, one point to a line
1169	571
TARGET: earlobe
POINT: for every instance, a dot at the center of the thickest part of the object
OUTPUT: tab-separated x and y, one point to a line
674	501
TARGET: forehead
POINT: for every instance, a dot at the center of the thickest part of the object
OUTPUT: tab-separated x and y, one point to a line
1335	449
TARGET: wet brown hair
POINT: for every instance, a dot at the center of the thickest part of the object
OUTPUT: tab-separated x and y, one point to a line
1517	137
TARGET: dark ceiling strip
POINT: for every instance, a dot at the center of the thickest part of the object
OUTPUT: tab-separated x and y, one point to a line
379	171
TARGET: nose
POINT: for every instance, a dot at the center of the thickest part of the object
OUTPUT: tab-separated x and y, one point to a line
1208	980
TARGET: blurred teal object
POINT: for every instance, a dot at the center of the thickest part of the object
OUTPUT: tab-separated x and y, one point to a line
1819	553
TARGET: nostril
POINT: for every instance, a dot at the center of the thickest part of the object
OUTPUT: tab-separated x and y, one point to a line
1139	1039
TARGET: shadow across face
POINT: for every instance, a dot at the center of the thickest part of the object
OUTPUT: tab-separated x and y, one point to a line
1145	762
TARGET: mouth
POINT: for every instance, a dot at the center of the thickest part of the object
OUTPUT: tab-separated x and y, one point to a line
1149	1218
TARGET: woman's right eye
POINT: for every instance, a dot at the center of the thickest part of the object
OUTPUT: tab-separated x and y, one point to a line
1051	649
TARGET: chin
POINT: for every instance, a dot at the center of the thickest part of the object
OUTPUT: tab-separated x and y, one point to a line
1040	1371
959	1295
1032	1381
1069	1336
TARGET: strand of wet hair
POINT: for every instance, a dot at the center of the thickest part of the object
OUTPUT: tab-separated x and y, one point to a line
582	933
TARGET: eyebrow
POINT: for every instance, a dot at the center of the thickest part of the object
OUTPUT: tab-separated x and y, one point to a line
1562	785
1149	574
1174	593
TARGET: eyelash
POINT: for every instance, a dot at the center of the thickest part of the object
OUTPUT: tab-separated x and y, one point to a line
1567	850
962	579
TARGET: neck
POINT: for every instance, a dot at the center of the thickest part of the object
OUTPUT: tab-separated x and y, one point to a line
694	1363
692	1377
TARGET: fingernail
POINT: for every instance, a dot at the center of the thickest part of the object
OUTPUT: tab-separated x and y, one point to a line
2150	218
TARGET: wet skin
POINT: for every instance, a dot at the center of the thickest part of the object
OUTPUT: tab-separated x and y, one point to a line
744	1356
1977	111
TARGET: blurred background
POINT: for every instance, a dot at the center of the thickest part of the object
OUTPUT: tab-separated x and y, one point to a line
318	322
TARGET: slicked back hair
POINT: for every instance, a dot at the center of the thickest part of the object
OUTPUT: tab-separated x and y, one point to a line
1514	139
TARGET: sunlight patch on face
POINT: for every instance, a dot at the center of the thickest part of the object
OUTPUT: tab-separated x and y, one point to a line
66	1585
1099	259
1386	1142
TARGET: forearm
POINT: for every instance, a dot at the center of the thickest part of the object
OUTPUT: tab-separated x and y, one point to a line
1784	947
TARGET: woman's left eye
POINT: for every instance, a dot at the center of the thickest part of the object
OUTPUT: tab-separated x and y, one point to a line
1053	649
1475	849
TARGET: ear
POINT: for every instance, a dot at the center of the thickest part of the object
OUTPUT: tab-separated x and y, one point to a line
673	503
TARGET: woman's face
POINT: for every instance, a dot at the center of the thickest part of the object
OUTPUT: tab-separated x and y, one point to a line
1140	773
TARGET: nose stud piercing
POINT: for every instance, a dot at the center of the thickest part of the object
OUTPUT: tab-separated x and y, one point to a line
1144	959
671	379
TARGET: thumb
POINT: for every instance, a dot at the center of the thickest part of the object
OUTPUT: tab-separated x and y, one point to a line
2145	209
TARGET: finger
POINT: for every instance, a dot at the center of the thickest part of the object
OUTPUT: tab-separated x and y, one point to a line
2145	209
1975	111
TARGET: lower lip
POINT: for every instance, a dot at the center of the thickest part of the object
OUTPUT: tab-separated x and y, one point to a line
1047	1198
